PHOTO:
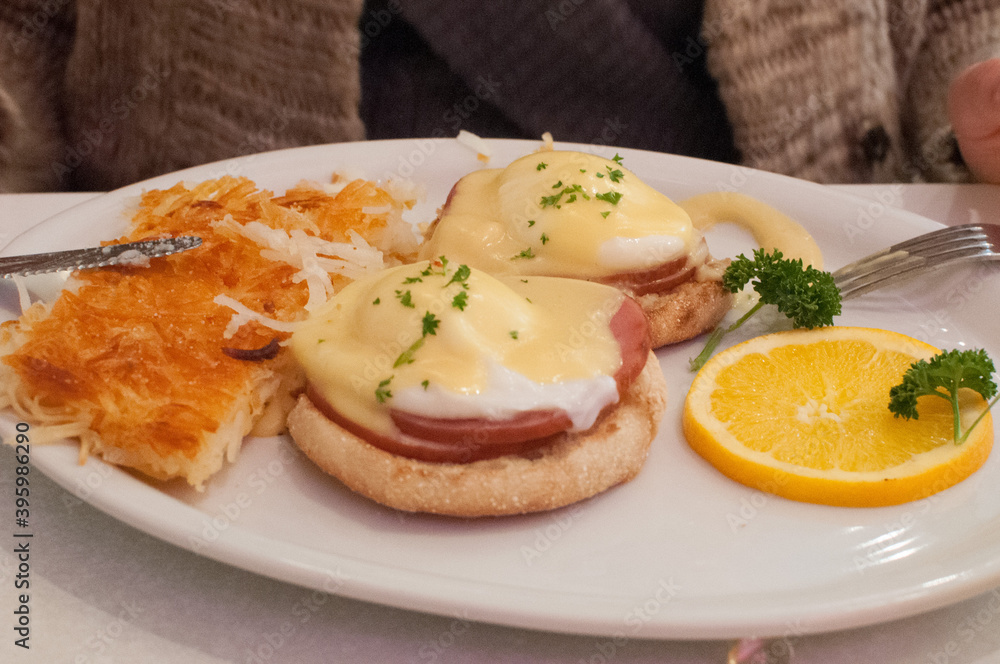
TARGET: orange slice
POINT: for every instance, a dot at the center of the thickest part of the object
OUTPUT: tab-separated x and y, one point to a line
804	414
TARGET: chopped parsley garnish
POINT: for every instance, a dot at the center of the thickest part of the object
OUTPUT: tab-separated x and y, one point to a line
552	200
541	166
460	276
406	357
425	383
405	298
382	392
617	159
531	222
513	334
430	323
616	175
545	238
525	253
412	280
377	300
611	197
460	301
442	261
569	191
605	214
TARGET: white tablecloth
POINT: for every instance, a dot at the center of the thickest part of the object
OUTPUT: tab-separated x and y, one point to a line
102	591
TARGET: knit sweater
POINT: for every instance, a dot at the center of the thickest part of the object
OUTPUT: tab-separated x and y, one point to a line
845	91
100	93
827	90
95	94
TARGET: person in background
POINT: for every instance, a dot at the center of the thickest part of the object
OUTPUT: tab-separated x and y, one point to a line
95	94
974	109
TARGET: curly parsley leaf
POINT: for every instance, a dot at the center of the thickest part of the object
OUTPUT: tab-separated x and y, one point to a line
944	375
809	297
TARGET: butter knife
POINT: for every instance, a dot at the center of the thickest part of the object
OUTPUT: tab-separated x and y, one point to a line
81	259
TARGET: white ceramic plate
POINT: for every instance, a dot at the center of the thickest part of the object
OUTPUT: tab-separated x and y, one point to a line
680	552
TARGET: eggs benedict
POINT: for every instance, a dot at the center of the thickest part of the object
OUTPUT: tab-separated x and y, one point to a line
437	387
578	215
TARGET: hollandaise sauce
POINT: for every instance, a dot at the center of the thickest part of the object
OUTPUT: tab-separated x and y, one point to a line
444	341
770	228
561	213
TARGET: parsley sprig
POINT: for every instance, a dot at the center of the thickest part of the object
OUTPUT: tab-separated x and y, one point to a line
944	375
809	297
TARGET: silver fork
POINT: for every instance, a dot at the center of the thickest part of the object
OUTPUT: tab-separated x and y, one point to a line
947	246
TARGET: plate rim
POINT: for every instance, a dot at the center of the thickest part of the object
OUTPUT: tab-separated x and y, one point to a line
907	601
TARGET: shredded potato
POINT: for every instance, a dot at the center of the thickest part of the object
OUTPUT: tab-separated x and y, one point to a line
130	360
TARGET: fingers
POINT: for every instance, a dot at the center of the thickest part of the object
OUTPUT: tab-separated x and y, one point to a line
974	111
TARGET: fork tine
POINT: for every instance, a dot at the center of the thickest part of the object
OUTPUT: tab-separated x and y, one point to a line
902	271
925	252
901	259
934	239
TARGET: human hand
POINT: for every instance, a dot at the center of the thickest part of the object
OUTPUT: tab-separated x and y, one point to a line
974	111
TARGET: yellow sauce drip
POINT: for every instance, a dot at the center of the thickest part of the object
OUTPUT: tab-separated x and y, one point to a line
771	229
369	340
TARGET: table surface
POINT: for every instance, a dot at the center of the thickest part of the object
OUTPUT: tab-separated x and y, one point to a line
102	591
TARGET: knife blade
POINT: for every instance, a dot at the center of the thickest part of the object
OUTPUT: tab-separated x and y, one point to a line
93	257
